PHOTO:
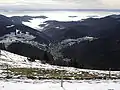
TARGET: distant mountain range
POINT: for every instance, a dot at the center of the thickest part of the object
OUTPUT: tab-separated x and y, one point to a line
90	43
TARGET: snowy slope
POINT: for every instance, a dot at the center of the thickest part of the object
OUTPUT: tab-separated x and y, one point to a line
70	42
18	61
27	84
14	36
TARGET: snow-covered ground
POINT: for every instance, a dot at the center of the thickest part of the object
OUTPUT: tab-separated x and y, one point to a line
55	85
70	42
15	36
17	61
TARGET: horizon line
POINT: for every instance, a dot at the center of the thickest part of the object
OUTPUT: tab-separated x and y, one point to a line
62	10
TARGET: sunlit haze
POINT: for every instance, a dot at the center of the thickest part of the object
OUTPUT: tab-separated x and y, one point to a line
58	4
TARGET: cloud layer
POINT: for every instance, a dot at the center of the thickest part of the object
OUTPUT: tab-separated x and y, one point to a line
61	4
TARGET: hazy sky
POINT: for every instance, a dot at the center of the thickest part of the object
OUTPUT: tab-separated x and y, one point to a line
59	4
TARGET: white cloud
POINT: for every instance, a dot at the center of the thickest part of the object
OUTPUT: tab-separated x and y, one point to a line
61	4
111	3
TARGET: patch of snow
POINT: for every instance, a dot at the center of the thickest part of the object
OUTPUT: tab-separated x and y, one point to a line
46	25
55	85
70	42
17	31
59	27
15	36
34	23
10	26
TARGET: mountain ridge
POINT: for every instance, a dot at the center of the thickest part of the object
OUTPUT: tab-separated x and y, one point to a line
90	43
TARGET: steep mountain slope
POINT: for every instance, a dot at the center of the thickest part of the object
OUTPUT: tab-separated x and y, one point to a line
13	32
8	26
